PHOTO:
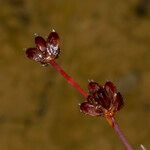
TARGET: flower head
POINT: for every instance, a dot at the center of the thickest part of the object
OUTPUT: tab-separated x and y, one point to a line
45	50
102	100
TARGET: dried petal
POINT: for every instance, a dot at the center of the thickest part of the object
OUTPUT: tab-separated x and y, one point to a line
93	87
90	109
34	54
118	102
40	43
53	38
110	87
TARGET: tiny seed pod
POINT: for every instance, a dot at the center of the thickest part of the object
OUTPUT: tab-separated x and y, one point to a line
53	38
53	48
40	43
118	102
90	109
34	54
110	87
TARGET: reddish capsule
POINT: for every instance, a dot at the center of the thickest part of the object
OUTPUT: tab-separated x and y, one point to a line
110	87
90	109
53	38
93	87
53	45
40	43
118	102
34	54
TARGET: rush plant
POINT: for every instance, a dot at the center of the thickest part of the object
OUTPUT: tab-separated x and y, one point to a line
100	100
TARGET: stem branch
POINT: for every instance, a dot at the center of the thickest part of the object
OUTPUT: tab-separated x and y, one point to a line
69	79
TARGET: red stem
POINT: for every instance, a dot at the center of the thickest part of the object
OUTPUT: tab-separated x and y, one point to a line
69	79
121	135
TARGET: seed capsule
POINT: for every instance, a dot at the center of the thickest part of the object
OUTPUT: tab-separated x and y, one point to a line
34	54
40	43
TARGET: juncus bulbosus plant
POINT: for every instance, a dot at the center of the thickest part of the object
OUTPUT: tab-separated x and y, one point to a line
100	100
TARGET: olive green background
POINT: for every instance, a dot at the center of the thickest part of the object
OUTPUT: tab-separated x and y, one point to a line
100	40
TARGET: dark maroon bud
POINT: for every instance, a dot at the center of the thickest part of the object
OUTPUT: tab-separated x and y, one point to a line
30	52
90	109
53	48
40	43
118	102
93	87
110	87
34	54
53	38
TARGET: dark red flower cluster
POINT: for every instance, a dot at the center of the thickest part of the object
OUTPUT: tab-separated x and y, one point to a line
102	100
45	50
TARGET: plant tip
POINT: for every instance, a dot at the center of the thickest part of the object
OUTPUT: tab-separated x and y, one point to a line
35	34
53	30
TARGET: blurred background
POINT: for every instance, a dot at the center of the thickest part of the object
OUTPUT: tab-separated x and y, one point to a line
100	40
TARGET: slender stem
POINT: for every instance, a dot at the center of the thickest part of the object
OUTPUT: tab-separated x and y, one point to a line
69	79
121	135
